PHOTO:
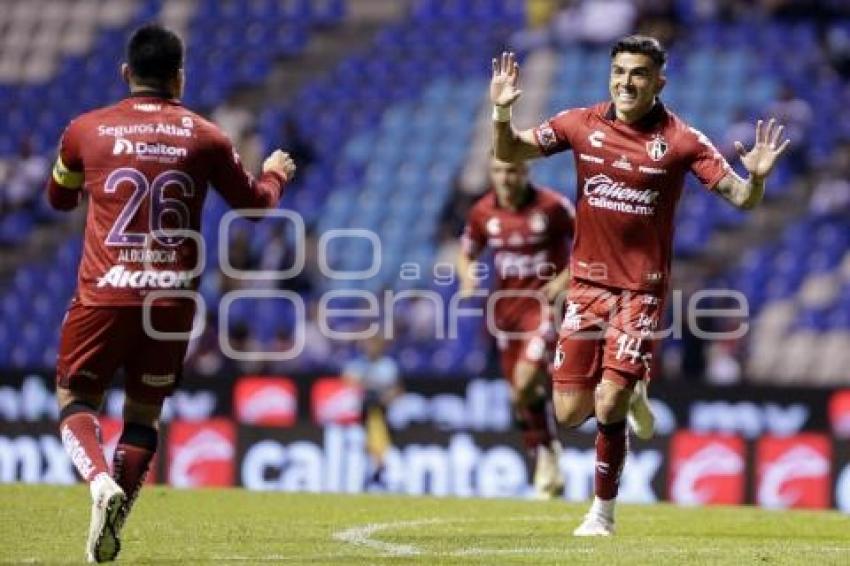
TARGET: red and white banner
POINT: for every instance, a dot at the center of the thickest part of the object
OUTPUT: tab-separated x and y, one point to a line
201	454
794	471
265	401
707	469
333	401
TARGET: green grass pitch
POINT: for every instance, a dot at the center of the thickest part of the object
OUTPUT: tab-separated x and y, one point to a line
48	525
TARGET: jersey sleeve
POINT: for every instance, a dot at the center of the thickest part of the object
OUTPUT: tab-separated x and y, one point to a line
704	161
474	238
555	134
67	177
238	187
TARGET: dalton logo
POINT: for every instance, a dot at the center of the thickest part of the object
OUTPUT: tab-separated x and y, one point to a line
706	469
124	146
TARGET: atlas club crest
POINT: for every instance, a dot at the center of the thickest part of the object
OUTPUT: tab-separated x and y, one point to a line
657	148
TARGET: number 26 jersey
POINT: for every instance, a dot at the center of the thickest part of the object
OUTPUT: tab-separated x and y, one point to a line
146	163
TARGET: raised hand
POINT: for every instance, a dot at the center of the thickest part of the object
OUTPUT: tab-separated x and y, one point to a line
281	163
760	160
504	85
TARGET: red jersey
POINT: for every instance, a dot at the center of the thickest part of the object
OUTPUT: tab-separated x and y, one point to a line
146	163
630	178
530	244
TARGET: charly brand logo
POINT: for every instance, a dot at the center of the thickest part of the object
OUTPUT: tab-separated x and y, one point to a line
595	138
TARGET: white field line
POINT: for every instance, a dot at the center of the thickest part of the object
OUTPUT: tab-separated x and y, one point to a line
362	536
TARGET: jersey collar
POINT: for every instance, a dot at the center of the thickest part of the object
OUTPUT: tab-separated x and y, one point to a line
648	122
153	94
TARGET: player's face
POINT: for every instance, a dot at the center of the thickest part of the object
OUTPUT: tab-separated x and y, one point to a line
508	179
635	82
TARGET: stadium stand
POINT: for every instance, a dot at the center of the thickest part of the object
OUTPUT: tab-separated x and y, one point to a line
395	130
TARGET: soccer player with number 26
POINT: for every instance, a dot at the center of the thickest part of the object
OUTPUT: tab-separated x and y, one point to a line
145	164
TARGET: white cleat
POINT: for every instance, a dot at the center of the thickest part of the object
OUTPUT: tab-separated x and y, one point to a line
641	419
595	525
103	544
548	480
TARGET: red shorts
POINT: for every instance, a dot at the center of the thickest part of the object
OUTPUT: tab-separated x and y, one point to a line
605	328
527	340
97	341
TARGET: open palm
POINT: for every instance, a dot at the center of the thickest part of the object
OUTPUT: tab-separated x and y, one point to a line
504	85
760	160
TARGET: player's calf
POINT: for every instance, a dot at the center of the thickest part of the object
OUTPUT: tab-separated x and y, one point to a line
131	463
79	430
135	451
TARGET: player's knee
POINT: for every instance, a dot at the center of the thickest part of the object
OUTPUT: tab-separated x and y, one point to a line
572	410
612	405
142	413
65	397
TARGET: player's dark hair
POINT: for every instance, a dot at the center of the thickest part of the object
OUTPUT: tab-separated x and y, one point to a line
644	45
154	54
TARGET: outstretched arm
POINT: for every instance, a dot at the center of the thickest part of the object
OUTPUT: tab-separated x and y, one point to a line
759	162
465	267
509	144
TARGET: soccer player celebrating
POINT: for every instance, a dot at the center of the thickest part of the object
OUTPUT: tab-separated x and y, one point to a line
631	156
528	229
145	164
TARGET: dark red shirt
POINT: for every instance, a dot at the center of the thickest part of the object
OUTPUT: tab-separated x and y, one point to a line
146	163
629	180
530	245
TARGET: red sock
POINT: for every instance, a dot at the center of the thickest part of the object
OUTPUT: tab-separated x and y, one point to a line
537	423
80	432
611	448
132	459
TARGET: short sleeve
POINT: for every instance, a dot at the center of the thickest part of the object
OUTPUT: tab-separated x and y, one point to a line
474	238
705	162
555	134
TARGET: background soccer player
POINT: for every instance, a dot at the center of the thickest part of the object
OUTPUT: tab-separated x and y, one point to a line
145	164
528	229
631	156
377	375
